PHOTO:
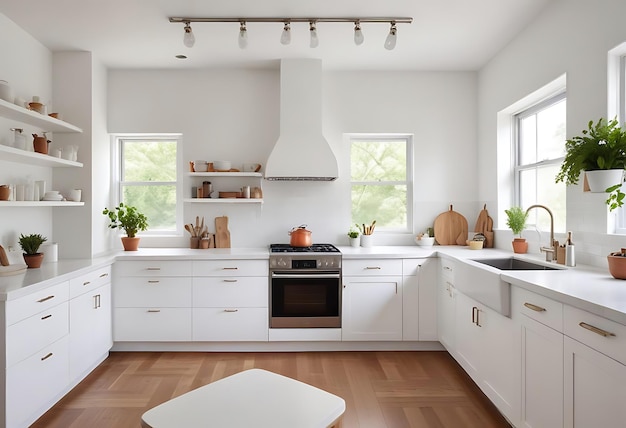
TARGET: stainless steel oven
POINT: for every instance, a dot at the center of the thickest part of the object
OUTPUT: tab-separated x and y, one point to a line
305	286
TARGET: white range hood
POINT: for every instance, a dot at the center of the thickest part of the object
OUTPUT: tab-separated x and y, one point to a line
301	152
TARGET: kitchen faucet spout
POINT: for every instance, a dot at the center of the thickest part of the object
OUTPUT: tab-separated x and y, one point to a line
554	245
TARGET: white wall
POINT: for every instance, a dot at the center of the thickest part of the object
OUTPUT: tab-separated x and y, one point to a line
234	114
572	37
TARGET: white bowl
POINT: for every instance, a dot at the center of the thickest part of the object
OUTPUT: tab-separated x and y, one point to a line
425	241
200	166
221	165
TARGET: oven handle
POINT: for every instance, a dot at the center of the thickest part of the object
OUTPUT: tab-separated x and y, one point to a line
310	275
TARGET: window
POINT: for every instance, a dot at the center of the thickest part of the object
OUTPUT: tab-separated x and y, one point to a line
147	178
382	181
540	148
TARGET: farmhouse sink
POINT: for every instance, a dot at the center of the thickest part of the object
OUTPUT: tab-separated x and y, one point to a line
511	263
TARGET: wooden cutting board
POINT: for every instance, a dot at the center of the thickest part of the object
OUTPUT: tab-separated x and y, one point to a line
451	228
484	225
222	235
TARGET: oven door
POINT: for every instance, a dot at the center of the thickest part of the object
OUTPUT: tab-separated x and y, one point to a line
305	300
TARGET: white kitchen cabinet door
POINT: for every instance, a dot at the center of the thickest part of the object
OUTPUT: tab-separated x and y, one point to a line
90	330
372	308
446	315
542	375
595	387
469	335
152	324
427	276
231	324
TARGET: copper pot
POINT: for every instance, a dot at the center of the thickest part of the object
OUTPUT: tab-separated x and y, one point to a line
300	237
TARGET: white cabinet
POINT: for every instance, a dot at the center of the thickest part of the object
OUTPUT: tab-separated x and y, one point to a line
446	306
540	320
419	297
90	328
152	301
230	300
487	347
372	304
224	182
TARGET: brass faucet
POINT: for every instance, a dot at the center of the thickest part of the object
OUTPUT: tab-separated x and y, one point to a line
554	245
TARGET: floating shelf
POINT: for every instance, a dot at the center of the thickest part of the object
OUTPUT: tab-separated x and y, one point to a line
33	158
224	200
40	204
225	174
45	122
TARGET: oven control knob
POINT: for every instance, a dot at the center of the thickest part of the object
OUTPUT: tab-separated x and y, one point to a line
282	262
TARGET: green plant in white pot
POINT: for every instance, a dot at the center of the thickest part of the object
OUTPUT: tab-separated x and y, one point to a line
354	234
599	151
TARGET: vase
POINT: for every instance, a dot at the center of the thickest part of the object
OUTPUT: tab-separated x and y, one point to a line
601	179
33	260
520	246
355	242
130	244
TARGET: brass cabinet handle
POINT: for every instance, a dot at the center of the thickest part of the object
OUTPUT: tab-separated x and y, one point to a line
153	268
230	268
96	301
596	330
534	307
45	317
45	357
104	275
230	280
231	310
476	316
153	310
373	267
45	299
86	283
153	281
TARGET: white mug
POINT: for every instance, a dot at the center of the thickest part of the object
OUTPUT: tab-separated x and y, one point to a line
75	195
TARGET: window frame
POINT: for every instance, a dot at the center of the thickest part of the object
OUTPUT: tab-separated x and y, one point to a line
616	89
117	182
408	139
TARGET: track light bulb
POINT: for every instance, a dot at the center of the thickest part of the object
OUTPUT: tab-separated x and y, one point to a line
358	34
315	41
243	35
188	39
285	37
390	41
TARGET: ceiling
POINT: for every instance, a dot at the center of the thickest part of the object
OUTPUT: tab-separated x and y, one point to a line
444	35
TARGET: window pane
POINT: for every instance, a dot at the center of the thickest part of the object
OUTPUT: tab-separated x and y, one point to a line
528	140
384	203
551	132
378	160
540	182
149	160
158	203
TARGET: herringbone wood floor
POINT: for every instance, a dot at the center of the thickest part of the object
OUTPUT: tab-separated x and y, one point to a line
381	389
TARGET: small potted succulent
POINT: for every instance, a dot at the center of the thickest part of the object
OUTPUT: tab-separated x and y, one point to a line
354	234
131	220
30	245
516	220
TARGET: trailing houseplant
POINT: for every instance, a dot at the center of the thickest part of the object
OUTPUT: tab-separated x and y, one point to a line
131	220
600	147
30	245
516	220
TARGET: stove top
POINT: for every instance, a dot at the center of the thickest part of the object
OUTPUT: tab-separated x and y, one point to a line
315	248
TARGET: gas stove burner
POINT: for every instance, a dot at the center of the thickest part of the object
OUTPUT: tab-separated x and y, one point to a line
315	248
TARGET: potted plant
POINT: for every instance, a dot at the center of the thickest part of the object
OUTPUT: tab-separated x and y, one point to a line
132	221
30	245
600	152
353	234
516	220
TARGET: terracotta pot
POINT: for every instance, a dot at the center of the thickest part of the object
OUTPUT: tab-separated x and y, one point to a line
33	260
300	237
617	265
40	144
131	244
520	246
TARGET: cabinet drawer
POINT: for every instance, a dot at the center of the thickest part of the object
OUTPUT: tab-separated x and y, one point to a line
372	267
34	383
152	268
89	281
590	329
36	332
537	307
36	302
410	267
230	267
230	324
247	291
152	324
167	292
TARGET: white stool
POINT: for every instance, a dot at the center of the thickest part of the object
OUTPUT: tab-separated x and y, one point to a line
252	398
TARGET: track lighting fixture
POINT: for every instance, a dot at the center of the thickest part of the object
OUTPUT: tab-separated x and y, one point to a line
243	35
358	34
285	37
390	41
314	39
188	39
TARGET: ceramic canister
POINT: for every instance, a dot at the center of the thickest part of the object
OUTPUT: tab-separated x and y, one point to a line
6	93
